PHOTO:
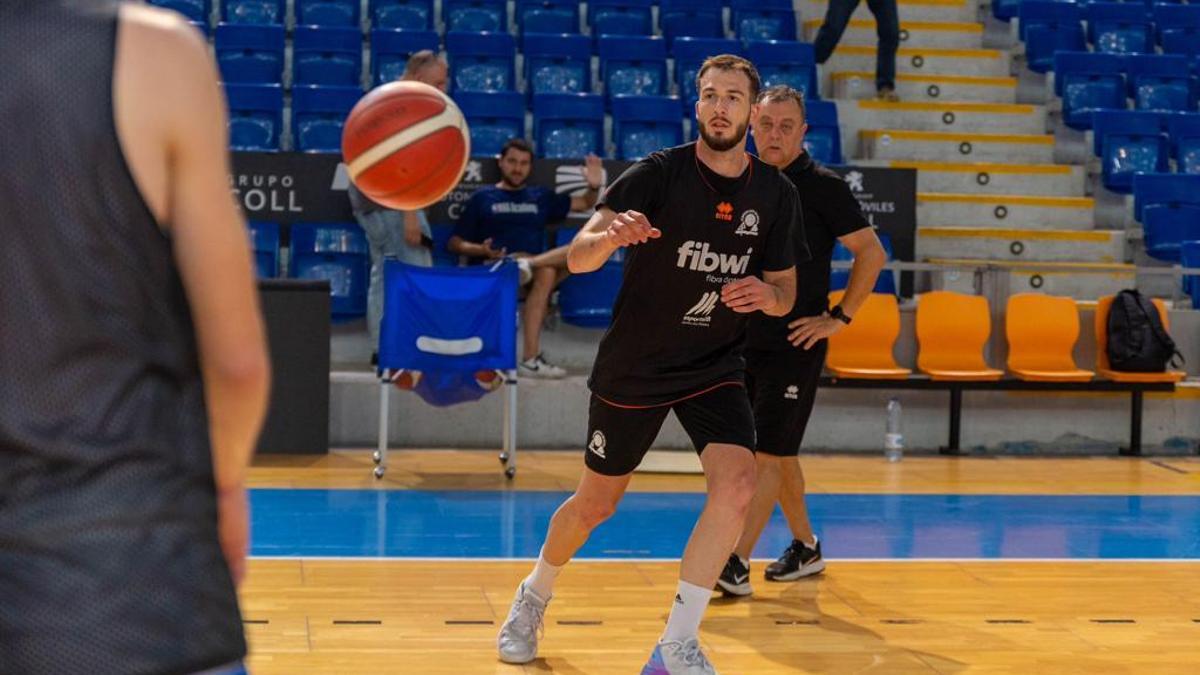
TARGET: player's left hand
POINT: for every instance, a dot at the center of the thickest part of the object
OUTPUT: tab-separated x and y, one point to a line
593	171
749	294
808	330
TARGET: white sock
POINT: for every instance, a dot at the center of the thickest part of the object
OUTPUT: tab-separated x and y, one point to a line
541	579
745	561
684	622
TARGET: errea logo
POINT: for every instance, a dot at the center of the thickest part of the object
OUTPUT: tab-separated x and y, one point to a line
792	392
725	212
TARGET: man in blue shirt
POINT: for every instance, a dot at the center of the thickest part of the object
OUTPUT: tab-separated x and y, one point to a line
510	219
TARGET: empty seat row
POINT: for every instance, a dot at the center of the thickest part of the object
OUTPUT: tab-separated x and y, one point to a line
1168	207
318	114
1088	82
1047	26
1132	142
337	252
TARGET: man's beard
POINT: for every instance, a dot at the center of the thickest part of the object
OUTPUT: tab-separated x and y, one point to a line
510	183
721	145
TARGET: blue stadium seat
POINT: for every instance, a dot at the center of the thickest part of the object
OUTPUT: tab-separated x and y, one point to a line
763	20
442	257
1175	19
1163	188
621	17
195	10
250	54
1129	142
252	11
568	126
547	16
886	283
557	63
493	117
1088	82
1048	26
790	63
318	114
390	50
1184	131
1005	10
695	18
255	116
1190	257
644	124
1184	41
475	16
328	13
689	53
402	14
327	56
264	241
481	61
824	138
1166	226
1160	82
337	252
586	300
632	65
1119	28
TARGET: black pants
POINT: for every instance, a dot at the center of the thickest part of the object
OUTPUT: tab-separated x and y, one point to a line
887	26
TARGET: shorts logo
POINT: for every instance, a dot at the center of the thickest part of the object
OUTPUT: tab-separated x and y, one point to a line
701	313
725	211
748	224
597	444
792	392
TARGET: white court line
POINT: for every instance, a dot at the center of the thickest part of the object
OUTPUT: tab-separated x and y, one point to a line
759	560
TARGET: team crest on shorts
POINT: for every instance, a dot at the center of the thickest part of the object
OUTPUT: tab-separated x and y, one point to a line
597	444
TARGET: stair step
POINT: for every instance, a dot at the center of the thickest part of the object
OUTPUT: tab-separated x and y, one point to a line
1049	180
922	61
1015	244
936	209
949	146
910	10
857	84
942	116
947	34
1063	278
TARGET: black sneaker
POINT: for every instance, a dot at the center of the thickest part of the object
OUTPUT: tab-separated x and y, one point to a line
735	578
797	561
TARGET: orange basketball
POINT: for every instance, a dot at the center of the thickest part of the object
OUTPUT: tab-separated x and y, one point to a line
405	145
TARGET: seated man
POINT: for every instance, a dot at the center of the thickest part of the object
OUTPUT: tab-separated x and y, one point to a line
509	219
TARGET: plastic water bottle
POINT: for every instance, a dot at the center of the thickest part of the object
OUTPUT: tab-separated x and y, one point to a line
893	440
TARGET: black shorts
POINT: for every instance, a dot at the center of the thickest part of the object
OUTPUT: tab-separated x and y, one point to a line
618	436
783	388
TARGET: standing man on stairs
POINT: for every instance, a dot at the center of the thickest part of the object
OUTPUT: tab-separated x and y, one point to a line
785	355
887	27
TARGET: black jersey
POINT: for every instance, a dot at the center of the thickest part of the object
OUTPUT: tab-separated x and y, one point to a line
109	557
671	335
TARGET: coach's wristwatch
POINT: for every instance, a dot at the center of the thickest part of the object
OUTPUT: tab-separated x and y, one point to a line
838	313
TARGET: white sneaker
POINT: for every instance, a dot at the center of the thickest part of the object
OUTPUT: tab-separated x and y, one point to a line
678	658
518	639
539	367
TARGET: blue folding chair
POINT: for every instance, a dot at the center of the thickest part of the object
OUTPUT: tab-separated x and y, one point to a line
620	17
328	13
1184	132
547	16
1119	28
1166	226
481	61
319	115
450	324
337	252
255	116
414	15
557	64
252	11
790	63
690	53
632	65
824	138
645	124
1049	26
839	278
328	56
390	50
494	117
195	10
475	16
250	54
1160	82
1190	257
1088	82
586	300
1129	142
568	126
264	241
763	20
695	18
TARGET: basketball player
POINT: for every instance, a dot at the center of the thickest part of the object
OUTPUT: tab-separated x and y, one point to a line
703	221
785	355
133	371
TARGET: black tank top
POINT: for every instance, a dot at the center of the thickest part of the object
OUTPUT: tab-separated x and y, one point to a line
109	558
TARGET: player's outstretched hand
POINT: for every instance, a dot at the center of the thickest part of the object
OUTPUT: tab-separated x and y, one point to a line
629	228
749	294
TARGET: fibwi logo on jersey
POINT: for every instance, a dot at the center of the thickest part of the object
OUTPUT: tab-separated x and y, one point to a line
725	211
694	255
701	313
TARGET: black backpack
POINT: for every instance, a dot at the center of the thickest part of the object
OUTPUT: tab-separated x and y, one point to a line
1137	341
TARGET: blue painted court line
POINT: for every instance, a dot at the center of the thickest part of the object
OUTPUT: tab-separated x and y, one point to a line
512	524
